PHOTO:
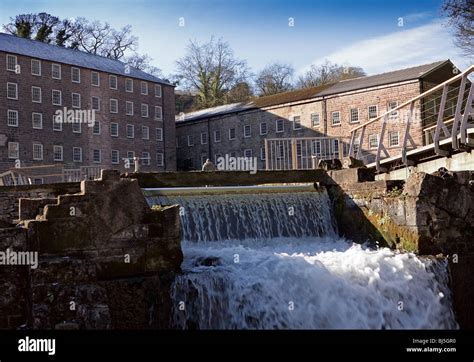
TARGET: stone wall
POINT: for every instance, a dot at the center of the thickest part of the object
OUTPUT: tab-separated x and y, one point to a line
106	260
10	195
427	214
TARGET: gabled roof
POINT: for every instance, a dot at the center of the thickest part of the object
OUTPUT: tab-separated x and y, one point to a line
260	102
396	76
36	49
342	86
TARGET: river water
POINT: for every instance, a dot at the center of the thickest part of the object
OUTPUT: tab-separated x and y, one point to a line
274	261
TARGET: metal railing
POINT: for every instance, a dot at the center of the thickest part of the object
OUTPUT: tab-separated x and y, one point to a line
451	115
302	153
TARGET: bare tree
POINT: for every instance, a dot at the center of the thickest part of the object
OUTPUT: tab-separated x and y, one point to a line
143	62
327	73
212	70
461	17
274	78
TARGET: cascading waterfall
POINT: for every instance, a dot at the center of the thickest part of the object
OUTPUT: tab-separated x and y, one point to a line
274	261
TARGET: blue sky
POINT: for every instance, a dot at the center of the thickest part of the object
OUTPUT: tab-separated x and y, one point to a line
363	32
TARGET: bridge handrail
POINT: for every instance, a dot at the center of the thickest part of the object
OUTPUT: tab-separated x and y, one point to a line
418	97
459	120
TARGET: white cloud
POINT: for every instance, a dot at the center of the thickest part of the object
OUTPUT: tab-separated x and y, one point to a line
401	49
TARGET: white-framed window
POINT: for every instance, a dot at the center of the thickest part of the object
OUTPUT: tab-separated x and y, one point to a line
279	126
159	134
158	90
373	111
129	108
96	156
57	125
115	156
145	158
203	138
263	128
233	154
247	131
145	133
335	145
12	62
13	150
114	129
216	157
144	88
112	81
57	98
373	141
36	67
129	85
232	134
76	100
158	112
217	136
96	128
316	148
77	154
37	120
95	103
336	118
113	105
12	118
248	153
144	110
354	115
296	122
393	139
95	79
130	131
131	157
190	140
160	159
37	151
57	153
392	105
75	75
56	71
315	120
263	155
12	90
77	126
36	95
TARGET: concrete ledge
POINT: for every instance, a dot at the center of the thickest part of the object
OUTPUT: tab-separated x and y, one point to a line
224	178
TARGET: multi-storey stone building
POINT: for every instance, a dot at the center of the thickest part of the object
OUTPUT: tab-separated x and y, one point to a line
133	111
329	111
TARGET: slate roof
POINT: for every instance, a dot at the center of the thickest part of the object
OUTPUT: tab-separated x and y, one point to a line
260	102
396	76
314	92
36	49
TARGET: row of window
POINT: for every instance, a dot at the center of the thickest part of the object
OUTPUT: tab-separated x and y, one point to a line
37	123
58	151
36	65
57	100
354	117
279	124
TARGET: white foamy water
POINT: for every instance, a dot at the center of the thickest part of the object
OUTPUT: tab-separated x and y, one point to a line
249	265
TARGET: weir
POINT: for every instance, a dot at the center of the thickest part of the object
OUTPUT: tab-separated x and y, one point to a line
273	259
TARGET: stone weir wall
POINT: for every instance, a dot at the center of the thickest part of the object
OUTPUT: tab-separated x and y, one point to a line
106	260
427	214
